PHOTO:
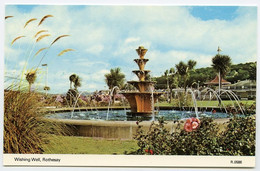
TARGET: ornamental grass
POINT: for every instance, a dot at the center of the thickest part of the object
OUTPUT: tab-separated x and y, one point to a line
25	130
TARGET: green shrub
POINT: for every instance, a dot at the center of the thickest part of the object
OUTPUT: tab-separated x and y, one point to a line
239	137
208	139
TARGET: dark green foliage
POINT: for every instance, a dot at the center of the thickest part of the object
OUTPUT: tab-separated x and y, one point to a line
183	71
71	97
221	63
245	108
252	71
115	78
237	139
246	71
241	72
76	80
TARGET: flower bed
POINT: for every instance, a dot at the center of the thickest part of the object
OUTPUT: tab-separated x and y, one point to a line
199	137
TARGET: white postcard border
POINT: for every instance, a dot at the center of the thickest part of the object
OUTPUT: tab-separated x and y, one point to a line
131	160
127	160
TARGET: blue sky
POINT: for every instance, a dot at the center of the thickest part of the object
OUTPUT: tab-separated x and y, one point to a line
106	37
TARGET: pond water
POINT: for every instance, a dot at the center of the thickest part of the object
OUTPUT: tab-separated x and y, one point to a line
125	115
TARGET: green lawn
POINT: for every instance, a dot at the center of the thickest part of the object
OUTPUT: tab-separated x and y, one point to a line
209	103
85	145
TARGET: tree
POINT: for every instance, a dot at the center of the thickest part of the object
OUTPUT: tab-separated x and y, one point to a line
31	77
252	71
221	64
191	64
77	82
72	94
72	79
114	78
183	70
170	77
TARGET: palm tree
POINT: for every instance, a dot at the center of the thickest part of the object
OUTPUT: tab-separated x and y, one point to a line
72	79
170	76
115	78
184	69
166	74
31	77
72	94
221	64
77	82
191	64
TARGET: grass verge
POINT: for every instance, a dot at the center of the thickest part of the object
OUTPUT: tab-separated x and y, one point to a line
86	145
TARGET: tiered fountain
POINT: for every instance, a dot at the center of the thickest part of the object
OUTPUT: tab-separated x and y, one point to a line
142	101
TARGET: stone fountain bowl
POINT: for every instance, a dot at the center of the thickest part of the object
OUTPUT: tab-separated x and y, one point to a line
120	125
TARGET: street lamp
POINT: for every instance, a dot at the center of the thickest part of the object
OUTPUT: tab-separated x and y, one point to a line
219	50
46	78
167	79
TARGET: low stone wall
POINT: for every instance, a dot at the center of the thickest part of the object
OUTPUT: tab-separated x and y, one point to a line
109	129
114	129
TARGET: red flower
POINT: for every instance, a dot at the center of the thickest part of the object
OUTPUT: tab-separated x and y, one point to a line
189	120
187	127
191	124
151	152
146	150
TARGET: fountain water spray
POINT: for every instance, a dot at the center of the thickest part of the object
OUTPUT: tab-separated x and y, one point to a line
75	104
109	103
194	101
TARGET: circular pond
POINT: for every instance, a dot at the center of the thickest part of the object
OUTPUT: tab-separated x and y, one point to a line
125	115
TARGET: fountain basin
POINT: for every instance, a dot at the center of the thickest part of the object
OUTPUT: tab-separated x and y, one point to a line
124	130
120	125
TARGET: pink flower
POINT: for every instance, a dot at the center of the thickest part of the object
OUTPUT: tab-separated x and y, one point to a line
187	127
191	124
194	125
189	120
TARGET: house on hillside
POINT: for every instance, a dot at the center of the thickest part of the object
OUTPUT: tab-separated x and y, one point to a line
243	89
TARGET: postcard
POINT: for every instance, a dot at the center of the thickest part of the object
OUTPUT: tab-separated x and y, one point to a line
139	85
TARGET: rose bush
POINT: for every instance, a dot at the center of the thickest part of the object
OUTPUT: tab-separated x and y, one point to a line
198	137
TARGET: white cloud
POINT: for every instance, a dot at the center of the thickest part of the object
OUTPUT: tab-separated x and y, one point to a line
96	49
132	39
106	37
